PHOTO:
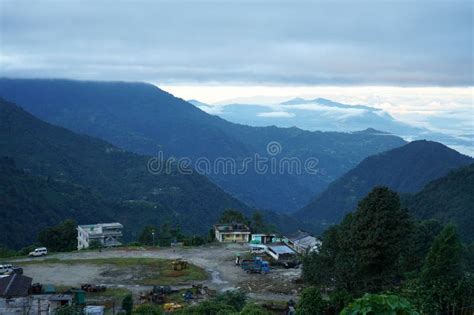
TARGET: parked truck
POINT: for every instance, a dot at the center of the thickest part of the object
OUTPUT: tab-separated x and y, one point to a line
256	265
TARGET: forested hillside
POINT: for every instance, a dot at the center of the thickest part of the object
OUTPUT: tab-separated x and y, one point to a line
30	203
405	170
117	176
143	119
448	199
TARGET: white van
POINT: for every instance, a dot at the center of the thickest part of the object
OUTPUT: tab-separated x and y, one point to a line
42	251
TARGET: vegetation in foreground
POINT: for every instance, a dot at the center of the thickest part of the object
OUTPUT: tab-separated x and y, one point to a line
379	249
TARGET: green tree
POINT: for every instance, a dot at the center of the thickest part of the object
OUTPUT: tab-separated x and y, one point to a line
444	279
311	302
165	236
364	252
418	245
379	304
60	238
127	304
6	252
176	234
258	224
338	300
379	232
470	257
254	309
231	216
334	264
234	298
148	235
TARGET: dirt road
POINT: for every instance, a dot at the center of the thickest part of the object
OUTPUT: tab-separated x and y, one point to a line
217	260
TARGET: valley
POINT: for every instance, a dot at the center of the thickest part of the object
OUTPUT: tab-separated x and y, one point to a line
52	175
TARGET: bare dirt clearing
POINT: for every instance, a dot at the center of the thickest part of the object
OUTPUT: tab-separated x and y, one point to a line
217	260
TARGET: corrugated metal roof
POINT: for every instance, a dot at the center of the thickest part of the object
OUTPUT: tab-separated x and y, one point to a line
308	241
15	285
298	235
281	249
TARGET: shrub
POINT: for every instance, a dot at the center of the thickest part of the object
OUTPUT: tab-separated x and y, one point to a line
127	304
254	309
379	304
148	309
311	302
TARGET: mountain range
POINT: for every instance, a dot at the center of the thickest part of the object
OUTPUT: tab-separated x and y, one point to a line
102	181
323	114
406	169
50	173
143	119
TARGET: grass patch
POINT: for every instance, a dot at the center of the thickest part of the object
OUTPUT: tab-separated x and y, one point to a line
145	271
116	294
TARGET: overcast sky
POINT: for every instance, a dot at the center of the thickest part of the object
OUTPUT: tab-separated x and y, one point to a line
391	43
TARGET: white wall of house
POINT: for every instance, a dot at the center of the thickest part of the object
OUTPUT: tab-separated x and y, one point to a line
108	234
237	237
15	306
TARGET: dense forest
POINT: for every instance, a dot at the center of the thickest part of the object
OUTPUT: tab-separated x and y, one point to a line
113	175
89	180
31	203
144	119
405	170
447	199
380	249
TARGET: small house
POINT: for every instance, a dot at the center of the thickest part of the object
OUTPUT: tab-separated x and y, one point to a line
302	242
232	232
261	238
280	252
107	234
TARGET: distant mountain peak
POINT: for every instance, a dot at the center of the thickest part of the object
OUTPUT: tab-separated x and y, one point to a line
296	100
372	131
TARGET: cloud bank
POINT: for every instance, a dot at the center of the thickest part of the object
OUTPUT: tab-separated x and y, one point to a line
398	43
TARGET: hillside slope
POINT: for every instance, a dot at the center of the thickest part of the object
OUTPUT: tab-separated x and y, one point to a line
31	203
143	119
405	170
117	176
448	199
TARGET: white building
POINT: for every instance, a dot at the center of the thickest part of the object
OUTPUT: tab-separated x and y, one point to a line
107	234
280	252
303	243
232	232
